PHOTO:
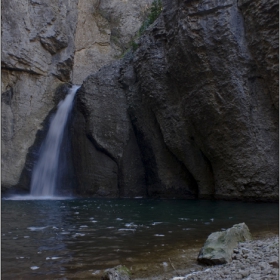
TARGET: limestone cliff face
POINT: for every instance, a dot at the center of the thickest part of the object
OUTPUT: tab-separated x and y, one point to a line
37	56
200	94
104	31
192	112
44	45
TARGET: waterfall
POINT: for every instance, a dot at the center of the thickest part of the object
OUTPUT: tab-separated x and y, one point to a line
44	176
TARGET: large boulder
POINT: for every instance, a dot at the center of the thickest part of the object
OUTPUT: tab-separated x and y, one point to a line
121	159
106	155
218	248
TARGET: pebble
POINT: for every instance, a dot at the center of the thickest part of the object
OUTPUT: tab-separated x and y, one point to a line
255	259
244	273
245	251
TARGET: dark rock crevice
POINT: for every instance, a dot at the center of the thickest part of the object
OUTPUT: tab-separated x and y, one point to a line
7	68
192	183
109	132
99	148
7	96
209	11
96	173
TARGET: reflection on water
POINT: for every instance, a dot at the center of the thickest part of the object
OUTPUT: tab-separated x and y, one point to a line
64	238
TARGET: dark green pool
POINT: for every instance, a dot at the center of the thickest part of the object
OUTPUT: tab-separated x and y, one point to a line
58	239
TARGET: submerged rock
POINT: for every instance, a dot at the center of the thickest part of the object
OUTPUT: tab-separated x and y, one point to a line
119	272
218	248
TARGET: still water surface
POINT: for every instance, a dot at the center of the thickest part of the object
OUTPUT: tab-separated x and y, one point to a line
76	238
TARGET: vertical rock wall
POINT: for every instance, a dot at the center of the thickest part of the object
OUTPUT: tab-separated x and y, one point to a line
37	56
44	45
192	111
262	35
104	32
110	165
201	98
227	108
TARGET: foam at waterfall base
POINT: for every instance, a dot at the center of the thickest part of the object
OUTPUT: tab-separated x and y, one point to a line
32	197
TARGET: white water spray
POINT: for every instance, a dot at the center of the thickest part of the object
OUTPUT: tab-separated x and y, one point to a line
45	172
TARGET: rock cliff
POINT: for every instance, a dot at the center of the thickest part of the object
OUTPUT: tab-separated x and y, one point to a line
191	112
105	30
201	94
46	44
37	56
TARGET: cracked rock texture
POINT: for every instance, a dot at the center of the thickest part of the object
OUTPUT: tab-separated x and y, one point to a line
37	56
192	112
104	31
44	45
200	95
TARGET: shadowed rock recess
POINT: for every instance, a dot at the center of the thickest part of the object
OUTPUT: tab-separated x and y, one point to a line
192	112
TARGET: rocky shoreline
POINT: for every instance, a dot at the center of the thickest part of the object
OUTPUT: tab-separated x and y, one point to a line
255	259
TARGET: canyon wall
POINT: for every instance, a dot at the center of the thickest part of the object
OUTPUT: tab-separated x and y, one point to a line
201	94
190	111
104	32
37	56
46	44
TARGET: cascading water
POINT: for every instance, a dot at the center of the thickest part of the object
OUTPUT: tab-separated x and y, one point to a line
45	173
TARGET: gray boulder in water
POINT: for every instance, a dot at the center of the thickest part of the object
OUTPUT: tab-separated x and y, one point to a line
119	272
218	248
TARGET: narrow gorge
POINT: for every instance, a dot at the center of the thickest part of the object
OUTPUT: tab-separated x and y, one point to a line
140	139
189	109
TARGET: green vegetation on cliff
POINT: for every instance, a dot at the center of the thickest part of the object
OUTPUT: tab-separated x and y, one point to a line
153	13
